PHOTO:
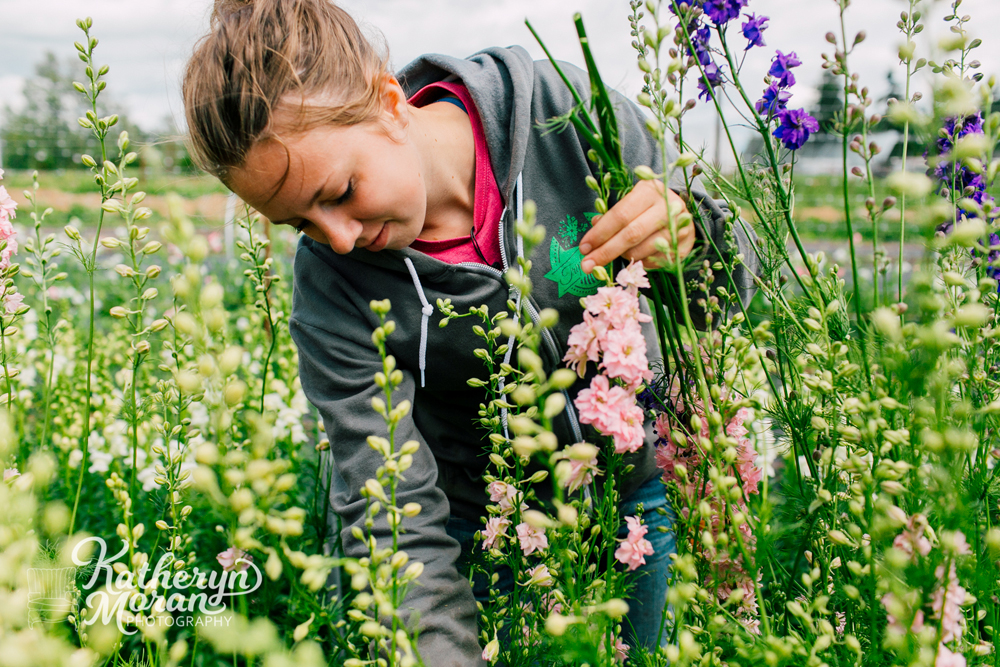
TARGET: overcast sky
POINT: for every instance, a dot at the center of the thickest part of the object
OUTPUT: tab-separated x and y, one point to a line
146	42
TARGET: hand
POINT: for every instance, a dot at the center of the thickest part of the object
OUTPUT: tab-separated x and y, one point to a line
632	226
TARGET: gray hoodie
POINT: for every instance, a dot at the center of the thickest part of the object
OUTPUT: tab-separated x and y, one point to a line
332	325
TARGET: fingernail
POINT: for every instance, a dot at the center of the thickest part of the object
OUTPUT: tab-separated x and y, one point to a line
587	265
585	248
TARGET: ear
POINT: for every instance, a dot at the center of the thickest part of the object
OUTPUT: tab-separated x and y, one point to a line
395	108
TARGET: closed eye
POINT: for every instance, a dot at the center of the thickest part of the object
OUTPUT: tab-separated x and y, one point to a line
347	193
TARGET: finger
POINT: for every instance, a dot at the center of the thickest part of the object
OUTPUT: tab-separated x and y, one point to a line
649	253
635	203
649	223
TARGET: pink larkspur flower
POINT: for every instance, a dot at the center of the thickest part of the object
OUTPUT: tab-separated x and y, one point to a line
628	431
616	306
539	576
634	548
8	206
621	650
12	302
735	427
945	658
746	461
532	539
584	343
234	559
504	494
600	404
954	542
633	277
947	603
495	531
612	410
912	539
746	466
10	473
576	474
7	232
625	355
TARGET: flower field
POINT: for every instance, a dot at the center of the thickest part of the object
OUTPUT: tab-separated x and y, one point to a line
829	448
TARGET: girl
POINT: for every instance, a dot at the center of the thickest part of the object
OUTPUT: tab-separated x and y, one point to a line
407	186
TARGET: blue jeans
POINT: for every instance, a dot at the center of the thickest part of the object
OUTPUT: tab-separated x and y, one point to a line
649	595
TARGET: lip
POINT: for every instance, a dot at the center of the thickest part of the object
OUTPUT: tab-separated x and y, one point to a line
380	241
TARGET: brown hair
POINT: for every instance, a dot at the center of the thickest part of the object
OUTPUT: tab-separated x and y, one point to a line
262	55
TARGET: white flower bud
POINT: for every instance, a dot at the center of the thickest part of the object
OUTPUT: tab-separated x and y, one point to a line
910	184
235	392
616	608
211	295
554	405
645	173
230	359
197	249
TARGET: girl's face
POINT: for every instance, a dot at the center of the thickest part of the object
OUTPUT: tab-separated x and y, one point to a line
355	186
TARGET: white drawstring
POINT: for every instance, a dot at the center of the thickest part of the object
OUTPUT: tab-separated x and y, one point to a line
425	315
517	309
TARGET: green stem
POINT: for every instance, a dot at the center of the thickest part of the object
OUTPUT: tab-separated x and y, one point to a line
6	370
847	204
91	267
906	148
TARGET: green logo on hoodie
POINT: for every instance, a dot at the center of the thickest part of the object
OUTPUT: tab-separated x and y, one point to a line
565	260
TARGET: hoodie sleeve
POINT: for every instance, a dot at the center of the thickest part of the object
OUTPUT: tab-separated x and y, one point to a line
713	219
337	373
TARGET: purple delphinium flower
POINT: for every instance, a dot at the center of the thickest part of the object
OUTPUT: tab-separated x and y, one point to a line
775	99
722	12
965	183
753	30
714	75
781	68
972	124
992	270
700	37
795	128
957	176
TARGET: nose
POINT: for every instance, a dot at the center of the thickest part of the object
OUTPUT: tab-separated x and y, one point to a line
341	232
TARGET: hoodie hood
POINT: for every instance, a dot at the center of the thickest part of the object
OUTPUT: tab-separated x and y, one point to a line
500	81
